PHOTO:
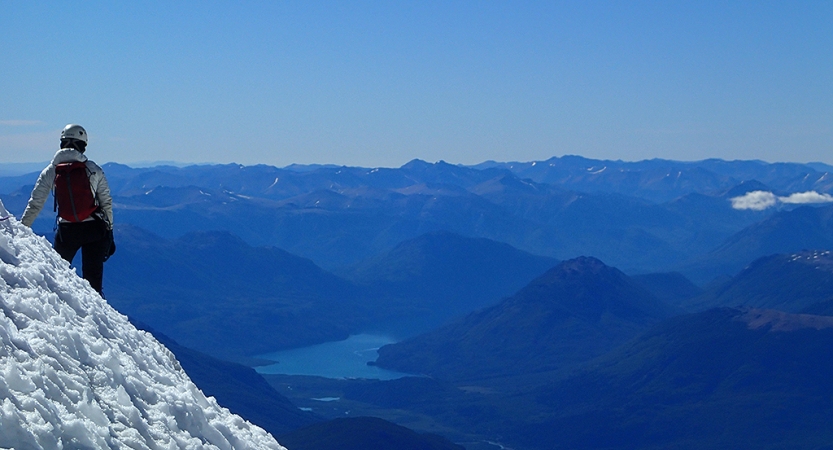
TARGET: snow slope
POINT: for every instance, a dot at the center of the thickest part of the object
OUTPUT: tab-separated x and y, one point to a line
75	374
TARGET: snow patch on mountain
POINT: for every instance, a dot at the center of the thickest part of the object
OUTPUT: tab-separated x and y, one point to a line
75	374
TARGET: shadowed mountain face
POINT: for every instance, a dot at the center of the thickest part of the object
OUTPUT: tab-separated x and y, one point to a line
796	282
724	378
212	292
577	310
363	433
441	275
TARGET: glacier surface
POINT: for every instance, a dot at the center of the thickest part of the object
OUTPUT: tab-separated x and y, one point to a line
75	374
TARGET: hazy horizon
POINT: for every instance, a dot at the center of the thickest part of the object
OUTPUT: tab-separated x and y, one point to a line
10	167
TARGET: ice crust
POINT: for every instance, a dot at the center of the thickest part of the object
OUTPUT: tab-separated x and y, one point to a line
75	374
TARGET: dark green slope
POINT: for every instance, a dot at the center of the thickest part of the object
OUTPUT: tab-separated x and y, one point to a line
724	378
795	282
576	311
362	433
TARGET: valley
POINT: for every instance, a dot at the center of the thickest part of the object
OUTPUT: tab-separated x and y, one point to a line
548	305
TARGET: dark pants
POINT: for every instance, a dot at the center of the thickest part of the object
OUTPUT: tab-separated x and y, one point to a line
91	238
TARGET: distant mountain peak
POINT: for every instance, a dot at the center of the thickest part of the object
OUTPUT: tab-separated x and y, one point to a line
416	164
587	287
583	264
585	269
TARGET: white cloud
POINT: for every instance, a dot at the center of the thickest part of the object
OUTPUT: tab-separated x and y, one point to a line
755	200
807	197
761	200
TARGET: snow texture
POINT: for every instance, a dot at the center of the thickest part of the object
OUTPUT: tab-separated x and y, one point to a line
75	374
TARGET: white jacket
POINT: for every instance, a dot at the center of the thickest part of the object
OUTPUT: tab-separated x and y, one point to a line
46	180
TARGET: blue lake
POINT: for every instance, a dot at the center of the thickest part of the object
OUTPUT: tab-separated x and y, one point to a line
342	359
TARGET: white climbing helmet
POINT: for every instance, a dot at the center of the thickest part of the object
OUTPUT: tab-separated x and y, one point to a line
73	131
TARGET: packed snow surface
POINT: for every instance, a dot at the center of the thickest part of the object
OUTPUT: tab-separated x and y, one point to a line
75	374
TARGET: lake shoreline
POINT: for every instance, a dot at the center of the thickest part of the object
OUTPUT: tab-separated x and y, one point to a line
353	357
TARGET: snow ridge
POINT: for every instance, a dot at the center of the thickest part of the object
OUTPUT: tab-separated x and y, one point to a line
75	374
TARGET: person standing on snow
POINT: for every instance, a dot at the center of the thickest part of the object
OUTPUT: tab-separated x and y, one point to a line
85	216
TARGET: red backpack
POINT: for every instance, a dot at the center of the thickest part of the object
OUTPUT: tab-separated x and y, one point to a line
74	197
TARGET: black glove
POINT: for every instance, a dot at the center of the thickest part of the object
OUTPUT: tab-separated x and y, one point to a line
111	245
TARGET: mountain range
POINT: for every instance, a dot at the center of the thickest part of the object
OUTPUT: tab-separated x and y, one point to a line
647	216
662	180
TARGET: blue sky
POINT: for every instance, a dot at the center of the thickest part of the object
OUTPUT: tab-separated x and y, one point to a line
380	83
